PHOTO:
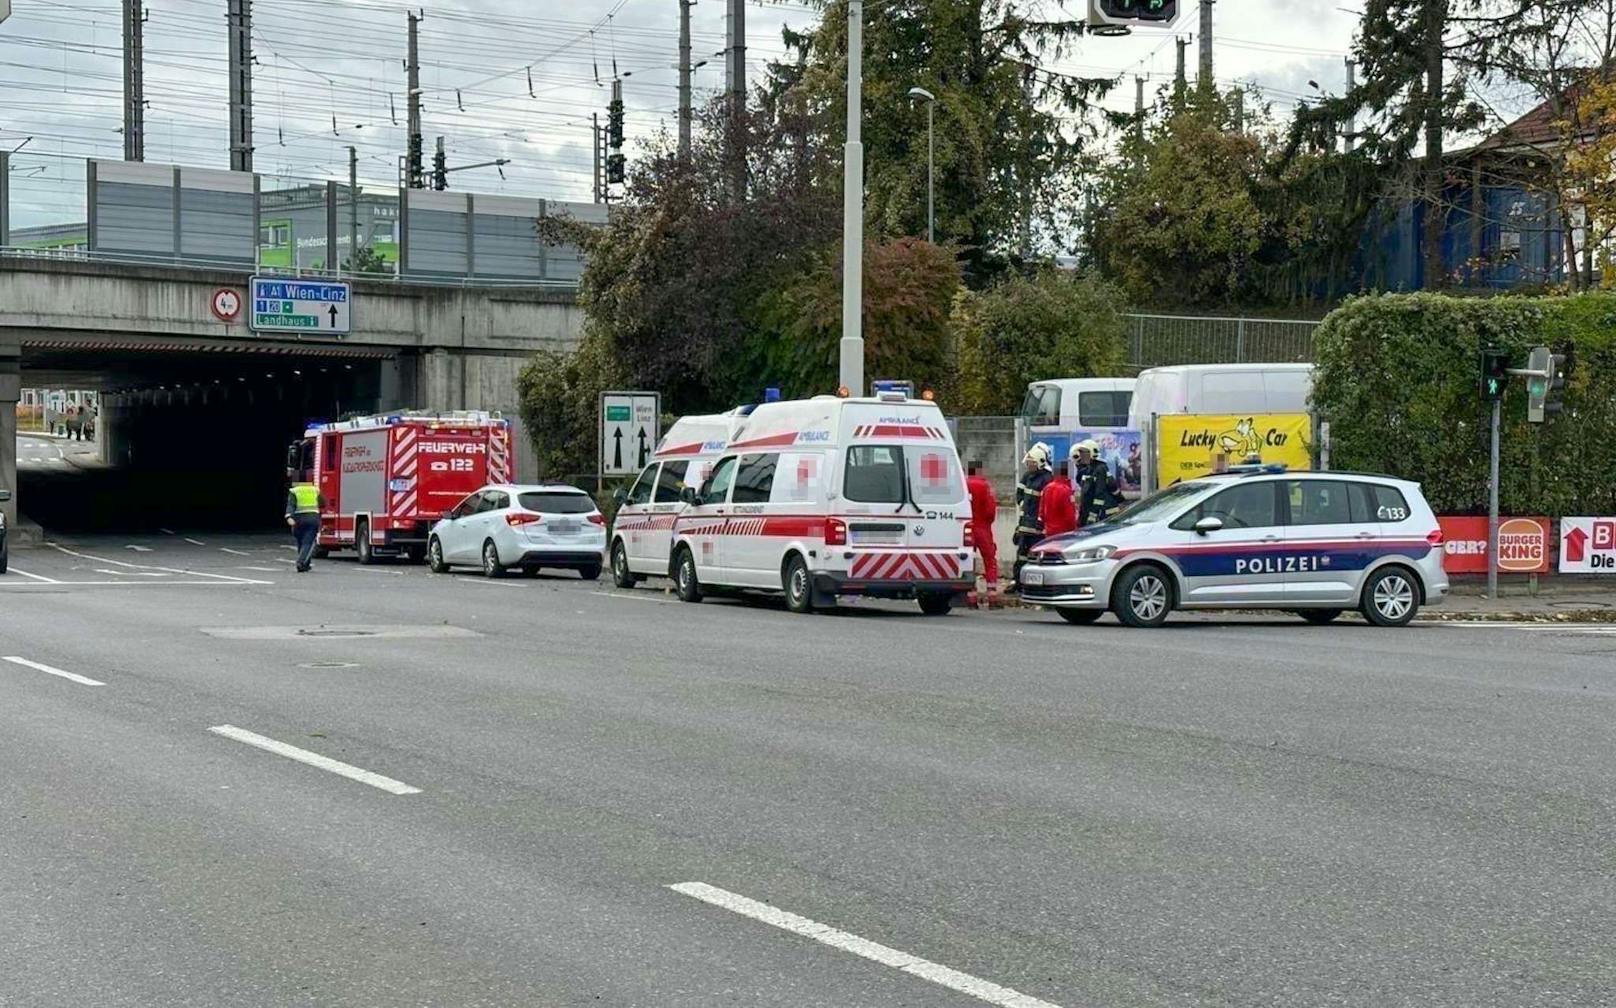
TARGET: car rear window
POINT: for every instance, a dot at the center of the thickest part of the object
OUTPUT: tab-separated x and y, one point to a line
1104	409
1387	503
555	502
874	475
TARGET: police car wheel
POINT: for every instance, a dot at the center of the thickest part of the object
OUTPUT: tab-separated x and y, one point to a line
1080	617
1319	616
491	565
1142	597
1390	598
799	593
622	577
684	578
434	557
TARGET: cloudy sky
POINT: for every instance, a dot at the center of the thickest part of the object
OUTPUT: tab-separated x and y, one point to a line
503	78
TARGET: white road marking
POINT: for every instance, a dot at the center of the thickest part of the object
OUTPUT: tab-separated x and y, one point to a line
36	577
265	570
242	583
166	531
1502	625
132	573
937	973
196	542
313	759
152	567
631	598
138	549
70	676
226	549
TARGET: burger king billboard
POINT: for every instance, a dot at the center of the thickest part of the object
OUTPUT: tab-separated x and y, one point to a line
1523	544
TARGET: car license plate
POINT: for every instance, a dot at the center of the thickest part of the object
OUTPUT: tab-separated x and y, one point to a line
563	527
1032	577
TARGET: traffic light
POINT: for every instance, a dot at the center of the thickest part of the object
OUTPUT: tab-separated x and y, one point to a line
1559	371
1537	383
614	123
1494	373
614	169
440	169
1115	17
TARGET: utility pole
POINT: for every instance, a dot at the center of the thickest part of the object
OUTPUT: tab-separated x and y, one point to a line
134	81
684	78
414	173
239	19
1025	172
594	145
353	209
735	92
1139	108
1352	118
1239	109
851	363
1203	75
1178	74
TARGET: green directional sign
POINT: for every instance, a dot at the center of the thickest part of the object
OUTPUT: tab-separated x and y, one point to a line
619	414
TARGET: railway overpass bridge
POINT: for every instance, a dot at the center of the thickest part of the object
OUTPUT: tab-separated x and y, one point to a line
197	409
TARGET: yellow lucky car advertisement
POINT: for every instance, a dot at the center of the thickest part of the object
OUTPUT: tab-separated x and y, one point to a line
1192	445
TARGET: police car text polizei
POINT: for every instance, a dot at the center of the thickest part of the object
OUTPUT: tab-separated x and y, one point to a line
1257	537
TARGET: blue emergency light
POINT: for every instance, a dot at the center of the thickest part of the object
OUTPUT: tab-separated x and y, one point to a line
771	394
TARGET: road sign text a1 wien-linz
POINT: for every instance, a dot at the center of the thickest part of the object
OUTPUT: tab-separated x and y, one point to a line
311	308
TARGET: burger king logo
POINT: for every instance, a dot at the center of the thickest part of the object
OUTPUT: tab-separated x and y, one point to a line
1523	545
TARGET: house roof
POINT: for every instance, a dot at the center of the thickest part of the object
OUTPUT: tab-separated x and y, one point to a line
1541	126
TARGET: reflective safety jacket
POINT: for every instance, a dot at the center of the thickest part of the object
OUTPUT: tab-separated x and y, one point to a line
303	498
1029	492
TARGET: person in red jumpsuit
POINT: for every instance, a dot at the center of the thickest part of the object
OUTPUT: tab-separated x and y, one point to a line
984	508
1058	508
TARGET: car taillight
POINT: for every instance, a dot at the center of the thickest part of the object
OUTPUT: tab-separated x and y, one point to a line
835	532
515	518
1434	537
970	538
598	518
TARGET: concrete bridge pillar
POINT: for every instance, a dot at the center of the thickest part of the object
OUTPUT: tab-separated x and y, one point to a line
10	392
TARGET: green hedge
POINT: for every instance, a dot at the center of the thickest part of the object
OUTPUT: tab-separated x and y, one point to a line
1398	381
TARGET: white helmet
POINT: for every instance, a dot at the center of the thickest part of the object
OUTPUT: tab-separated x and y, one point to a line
1089	445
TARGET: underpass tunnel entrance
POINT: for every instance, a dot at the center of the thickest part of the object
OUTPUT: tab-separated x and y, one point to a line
188	436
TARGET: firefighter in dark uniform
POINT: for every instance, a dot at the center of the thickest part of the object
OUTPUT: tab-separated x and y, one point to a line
1035	476
1096	485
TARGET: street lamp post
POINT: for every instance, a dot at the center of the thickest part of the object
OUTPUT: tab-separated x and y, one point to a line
852	347
931	158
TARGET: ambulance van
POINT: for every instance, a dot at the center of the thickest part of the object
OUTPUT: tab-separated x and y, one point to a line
642	533
823	497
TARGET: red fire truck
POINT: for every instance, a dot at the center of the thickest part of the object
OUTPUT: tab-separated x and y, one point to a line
387	478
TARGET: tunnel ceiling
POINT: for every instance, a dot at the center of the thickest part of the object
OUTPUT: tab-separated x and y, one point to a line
112	365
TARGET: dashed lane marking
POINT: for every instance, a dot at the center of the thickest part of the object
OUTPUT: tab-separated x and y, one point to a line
228	578
925	969
52	670
196	542
233	552
36	577
314	759
632	598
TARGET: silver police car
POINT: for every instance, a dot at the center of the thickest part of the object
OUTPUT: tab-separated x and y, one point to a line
1256	537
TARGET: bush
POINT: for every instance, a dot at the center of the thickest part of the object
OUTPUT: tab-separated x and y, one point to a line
1051	325
560	406
1398	380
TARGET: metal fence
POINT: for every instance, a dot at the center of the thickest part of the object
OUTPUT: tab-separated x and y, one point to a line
1161	340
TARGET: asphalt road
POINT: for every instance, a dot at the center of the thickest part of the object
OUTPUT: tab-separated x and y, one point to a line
1222	812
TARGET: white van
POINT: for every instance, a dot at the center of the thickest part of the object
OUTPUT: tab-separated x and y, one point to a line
822	497
1076	404
641	541
1218	388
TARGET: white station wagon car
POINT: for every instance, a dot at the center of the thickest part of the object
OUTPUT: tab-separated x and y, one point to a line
503	526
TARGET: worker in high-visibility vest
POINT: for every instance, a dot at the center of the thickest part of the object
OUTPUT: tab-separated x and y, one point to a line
303	505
